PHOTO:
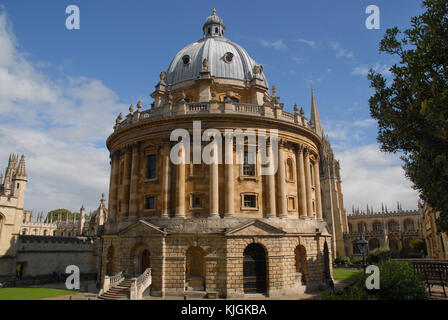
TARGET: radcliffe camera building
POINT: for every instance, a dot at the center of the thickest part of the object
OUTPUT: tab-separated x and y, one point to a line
223	228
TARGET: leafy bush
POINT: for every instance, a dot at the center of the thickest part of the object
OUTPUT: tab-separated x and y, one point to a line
378	255
397	282
342	260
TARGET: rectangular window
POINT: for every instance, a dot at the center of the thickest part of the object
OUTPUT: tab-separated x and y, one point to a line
250	201
150	203
249	164
197	202
151	167
291	203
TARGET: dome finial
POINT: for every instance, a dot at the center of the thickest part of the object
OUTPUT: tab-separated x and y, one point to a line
214	11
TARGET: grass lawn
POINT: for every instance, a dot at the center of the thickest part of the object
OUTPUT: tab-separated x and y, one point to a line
32	293
346	274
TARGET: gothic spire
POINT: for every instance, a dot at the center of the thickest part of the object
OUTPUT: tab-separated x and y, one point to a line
315	115
21	168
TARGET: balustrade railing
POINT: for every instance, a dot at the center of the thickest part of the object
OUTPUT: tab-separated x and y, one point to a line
206	107
141	283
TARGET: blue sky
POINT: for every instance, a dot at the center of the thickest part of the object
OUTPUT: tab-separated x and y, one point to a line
63	89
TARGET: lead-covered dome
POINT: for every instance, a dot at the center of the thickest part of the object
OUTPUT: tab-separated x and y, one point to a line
225	58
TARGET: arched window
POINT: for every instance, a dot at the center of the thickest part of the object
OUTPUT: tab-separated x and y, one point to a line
289	170
362	227
377	226
393	226
409	225
374	243
45	232
355	248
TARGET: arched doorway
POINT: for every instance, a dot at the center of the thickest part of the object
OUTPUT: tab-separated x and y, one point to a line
110	261
195	269
301	266
254	269
145	261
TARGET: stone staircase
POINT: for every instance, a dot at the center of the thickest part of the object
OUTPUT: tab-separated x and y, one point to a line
120	291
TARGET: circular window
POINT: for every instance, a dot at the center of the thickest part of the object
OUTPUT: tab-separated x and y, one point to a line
186	59
228	57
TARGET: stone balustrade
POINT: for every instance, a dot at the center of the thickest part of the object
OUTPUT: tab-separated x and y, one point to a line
183	107
140	285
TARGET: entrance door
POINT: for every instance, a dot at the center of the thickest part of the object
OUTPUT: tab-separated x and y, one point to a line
145	261
195	269
254	269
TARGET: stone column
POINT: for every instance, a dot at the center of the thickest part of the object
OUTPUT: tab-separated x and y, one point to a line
271	212
309	189
230	195
113	186
166	181
133	189
317	190
282	204
125	190
180	209
214	185
301	184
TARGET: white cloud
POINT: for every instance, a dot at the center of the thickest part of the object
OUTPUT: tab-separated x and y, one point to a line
341	52
279	44
373	177
60	125
307	42
363	69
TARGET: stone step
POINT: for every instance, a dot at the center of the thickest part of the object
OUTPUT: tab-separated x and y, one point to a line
195	294
114	296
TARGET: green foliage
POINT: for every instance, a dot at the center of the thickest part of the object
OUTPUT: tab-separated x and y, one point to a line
412	111
64	213
342	260
379	255
346	274
350	293
32	293
397	282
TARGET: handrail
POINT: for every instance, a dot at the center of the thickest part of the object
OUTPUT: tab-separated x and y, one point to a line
141	283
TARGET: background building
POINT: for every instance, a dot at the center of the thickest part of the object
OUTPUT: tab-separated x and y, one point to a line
41	249
390	229
436	242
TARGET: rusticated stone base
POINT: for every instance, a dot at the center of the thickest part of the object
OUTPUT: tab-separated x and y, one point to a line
221	249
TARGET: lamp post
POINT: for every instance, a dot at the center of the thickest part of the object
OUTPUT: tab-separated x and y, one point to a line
362	247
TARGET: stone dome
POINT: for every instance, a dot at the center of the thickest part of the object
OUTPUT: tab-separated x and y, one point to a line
226	59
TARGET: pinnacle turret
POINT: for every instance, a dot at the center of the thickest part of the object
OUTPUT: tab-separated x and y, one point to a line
21	172
315	115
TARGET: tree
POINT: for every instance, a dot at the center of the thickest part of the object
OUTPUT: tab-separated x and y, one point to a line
412	111
63	212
